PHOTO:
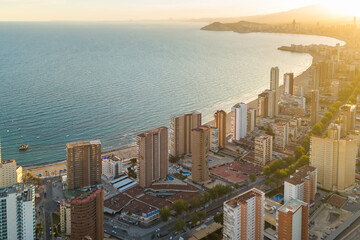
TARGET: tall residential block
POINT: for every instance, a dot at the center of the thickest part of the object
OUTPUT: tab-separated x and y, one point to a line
293	220
83	215
220	124
347	119
84	163
289	83
274	86
263	149
335	159
244	216
180	132
239	120
17	212
251	120
301	185
265	104
281	130
200	141
213	139
315	106
8	174
153	156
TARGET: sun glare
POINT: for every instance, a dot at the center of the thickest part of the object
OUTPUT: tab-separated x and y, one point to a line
344	8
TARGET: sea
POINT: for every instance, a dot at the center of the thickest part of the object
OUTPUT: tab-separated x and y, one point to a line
63	81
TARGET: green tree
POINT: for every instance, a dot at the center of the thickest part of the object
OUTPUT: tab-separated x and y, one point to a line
299	151
194	217
304	160
317	129
253	177
201	214
164	213
180	206
179	224
195	203
131	173
219	218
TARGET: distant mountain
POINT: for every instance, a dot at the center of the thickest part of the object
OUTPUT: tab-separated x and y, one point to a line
309	14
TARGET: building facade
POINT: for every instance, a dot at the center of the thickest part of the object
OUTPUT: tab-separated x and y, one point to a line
112	167
153	156
315	106
263	149
265	104
220	124
213	139
84	163
244	216
251	120
274	86
347	119
281	130
17	215
180	133
239	120
301	185
293	221
8	174
289	83
200	167
335	159
83	215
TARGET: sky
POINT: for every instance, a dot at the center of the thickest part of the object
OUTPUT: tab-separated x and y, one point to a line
122	10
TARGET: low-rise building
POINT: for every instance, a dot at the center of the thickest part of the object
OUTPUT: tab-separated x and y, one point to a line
112	167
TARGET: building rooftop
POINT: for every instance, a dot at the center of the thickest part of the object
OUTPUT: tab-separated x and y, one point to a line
201	128
138	208
300	174
292	206
239	105
183	195
182	187
117	202
243	198
152	132
154	201
20	188
135	191
8	161
83	142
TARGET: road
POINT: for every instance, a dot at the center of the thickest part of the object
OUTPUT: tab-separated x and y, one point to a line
352	232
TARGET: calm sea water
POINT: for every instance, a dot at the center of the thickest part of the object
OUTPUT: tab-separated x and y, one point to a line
61	82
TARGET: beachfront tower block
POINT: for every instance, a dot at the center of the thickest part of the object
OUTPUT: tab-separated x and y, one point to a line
289	83
84	163
8	174
153	156
274	86
200	142
293	220
17	212
220	124
334	158
347	119
244	216
180	132
239	120
265	104
251	120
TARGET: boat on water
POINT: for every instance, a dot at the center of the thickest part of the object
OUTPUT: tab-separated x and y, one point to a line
24	147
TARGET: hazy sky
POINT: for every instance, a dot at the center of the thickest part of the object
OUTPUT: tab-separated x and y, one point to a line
114	10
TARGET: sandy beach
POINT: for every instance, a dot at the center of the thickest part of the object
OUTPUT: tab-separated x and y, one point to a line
51	169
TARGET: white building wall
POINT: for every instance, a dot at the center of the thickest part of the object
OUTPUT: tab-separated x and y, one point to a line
297	225
239	120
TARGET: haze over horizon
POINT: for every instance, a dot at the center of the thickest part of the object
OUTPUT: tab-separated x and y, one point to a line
127	10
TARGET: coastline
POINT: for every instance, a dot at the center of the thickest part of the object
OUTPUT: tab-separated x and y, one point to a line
130	151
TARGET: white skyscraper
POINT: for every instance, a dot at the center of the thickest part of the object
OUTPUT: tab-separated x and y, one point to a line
274	86
239	120
244	216
17	215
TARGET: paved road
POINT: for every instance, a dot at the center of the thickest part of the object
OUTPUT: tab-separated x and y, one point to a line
352	232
